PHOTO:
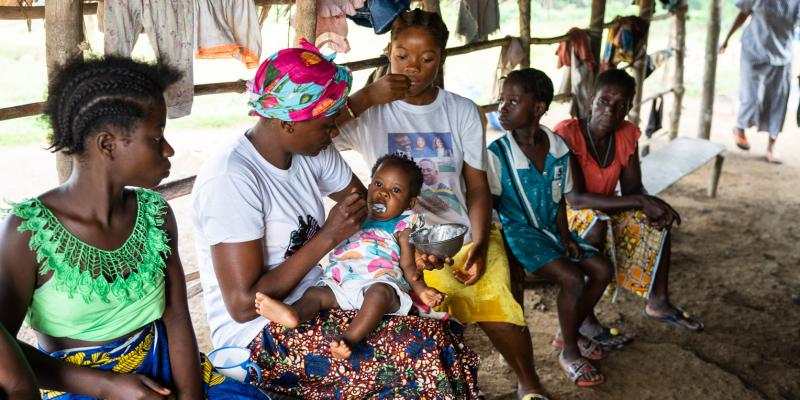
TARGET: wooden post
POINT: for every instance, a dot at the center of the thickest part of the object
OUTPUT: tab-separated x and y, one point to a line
710	71
679	47
63	21
525	31
432	6
596	30
306	21
640	65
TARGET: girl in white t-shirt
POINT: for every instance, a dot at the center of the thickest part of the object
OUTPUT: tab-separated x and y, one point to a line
395	112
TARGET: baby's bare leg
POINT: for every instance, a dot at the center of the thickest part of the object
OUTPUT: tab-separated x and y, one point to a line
304	309
379	300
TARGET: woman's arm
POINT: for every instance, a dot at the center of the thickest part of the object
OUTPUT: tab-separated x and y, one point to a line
16	377
479	208
239	266
737	23
580	199
388	88
355	184
18	273
183	351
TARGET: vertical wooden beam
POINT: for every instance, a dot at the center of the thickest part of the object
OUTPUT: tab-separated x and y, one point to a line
525	31
63	21
679	55
640	65
306	21
596	30
710	71
432	6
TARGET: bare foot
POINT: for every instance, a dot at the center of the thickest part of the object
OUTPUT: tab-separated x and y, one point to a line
340	349
276	311
431	297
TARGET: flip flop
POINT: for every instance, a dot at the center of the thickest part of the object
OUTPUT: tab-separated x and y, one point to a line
534	396
588	348
675	319
611	339
578	370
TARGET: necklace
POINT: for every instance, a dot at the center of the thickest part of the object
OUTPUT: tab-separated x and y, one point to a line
594	148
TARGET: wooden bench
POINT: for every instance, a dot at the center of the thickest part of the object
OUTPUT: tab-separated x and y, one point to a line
660	169
679	158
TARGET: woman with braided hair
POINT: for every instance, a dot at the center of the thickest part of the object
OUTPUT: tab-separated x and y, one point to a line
92	265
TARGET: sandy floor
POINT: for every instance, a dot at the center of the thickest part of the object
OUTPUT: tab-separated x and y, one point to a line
735	264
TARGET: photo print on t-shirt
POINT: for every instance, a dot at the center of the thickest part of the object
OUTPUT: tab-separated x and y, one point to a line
432	151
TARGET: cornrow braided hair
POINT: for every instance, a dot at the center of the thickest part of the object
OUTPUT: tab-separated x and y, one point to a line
407	164
430	21
86	95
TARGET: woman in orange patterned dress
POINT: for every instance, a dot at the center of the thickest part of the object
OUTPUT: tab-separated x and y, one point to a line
633	227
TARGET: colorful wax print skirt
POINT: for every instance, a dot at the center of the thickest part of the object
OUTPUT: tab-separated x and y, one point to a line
405	357
632	244
147	353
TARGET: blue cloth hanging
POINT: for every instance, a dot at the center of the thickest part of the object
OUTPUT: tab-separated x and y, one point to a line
379	14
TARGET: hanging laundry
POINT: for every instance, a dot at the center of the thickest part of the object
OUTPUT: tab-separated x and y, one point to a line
332	23
653	121
511	55
656	60
624	41
477	19
169	27
379	14
227	29
578	78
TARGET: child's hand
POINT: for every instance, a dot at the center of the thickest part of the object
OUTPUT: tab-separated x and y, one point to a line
573	250
431	297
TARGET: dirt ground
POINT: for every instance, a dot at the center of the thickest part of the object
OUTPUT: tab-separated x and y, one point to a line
735	265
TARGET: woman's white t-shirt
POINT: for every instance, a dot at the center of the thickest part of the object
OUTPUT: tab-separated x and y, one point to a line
402	127
238	197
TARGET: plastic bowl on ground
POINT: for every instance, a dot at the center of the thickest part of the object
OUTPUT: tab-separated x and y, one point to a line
441	240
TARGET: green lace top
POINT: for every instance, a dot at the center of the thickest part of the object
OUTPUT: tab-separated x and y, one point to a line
96	294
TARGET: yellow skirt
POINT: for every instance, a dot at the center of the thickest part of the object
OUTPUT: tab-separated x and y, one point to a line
490	298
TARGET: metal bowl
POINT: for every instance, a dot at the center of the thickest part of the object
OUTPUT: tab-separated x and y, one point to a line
442	240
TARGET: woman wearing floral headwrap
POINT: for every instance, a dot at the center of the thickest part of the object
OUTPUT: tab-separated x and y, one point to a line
261	227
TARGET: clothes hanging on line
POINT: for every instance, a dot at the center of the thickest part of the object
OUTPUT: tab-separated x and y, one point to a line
624	41
332	23
578	79
169	26
227	29
477	19
379	14
511	55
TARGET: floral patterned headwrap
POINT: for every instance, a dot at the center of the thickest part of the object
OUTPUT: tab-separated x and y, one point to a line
299	84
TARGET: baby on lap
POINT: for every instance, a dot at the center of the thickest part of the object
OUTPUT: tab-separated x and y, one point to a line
373	271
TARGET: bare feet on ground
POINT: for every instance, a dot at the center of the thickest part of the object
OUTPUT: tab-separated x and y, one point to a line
276	311
340	349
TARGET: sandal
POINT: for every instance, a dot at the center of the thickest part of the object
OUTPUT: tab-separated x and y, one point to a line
534	396
611	339
578	370
588	349
675	319
741	141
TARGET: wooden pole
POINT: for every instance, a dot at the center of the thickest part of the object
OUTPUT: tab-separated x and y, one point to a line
432	6
679	48
710	71
596	30
525	31
63	37
640	64
306	21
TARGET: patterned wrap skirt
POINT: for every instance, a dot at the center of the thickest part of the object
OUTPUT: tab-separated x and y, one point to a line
633	246
147	353
405	357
